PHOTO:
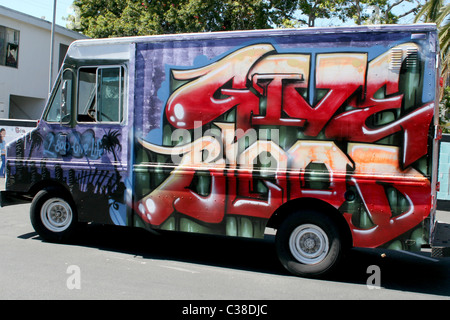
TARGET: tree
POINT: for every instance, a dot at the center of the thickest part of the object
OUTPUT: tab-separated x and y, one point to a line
313	10
444	109
201	15
390	18
435	11
112	18
430	11
36	140
376	11
115	18
111	142
357	11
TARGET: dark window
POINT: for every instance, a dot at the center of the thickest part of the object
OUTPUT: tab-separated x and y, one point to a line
9	47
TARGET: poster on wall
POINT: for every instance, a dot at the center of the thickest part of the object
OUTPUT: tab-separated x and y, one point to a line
10	130
14	132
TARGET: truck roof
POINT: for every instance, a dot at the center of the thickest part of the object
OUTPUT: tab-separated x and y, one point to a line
119	48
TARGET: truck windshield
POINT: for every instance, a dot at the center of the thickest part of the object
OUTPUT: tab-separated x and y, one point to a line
60	105
54	112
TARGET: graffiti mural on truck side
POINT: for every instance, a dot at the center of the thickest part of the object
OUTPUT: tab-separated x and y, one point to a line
74	144
248	132
98	190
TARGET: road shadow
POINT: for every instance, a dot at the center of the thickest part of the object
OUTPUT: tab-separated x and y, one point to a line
397	270
229	252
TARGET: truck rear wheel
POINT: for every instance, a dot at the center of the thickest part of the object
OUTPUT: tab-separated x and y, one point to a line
53	215
309	244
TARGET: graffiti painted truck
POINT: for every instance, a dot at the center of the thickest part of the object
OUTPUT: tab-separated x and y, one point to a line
328	136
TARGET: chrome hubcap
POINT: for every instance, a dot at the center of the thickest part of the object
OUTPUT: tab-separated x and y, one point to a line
309	244
56	215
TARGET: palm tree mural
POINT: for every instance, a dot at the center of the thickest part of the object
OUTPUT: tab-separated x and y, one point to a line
36	140
111	142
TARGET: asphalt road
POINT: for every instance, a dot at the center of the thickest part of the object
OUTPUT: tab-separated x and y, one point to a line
120	263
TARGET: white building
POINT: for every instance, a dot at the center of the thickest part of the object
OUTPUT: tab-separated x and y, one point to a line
25	62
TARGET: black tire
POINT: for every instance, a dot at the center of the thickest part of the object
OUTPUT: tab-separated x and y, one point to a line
309	244
53	215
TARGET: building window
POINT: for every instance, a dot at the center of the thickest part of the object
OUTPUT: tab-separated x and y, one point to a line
9	47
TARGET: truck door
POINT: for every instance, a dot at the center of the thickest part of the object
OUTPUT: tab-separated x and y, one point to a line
85	141
99	141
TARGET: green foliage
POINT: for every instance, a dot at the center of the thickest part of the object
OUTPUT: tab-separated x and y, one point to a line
357	11
376	11
438	11
444	108
115	18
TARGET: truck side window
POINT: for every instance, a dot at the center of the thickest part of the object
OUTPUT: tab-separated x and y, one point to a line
87	95
110	94
100	94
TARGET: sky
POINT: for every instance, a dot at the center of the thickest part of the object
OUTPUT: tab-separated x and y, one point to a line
41	8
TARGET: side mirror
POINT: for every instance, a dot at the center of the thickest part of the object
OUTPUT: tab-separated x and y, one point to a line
64	97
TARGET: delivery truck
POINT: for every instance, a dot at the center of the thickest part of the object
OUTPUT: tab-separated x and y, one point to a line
327	135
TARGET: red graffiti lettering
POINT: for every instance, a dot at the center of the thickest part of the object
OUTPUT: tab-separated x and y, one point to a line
326	111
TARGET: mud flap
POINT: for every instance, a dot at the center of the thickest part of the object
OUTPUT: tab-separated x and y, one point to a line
440	246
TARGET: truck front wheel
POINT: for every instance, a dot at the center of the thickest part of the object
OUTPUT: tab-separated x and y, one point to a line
53	215
309	244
